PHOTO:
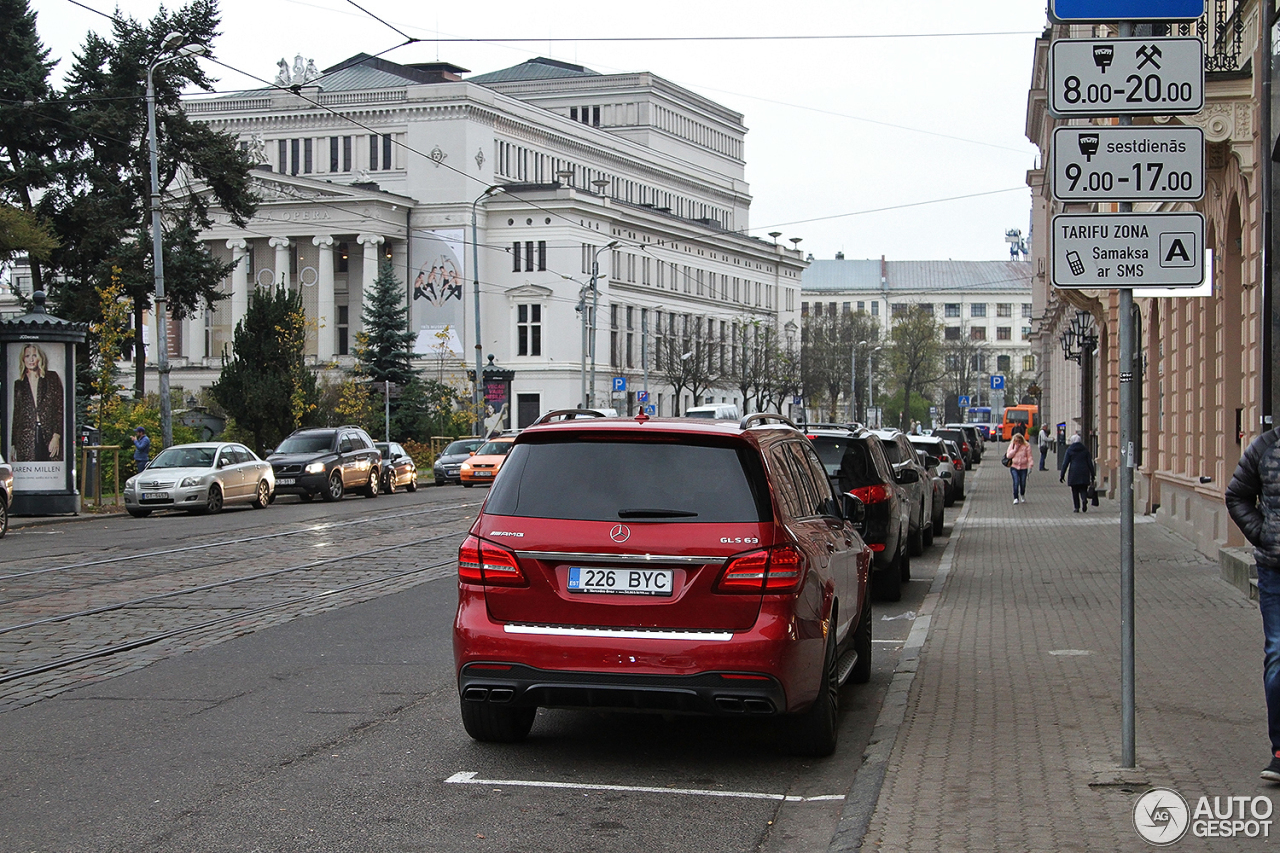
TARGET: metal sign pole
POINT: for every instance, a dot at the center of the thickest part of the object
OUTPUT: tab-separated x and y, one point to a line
1127	691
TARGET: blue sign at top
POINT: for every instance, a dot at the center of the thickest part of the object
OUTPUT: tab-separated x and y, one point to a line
1126	10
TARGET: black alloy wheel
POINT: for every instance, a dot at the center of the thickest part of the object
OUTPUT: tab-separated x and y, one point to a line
815	732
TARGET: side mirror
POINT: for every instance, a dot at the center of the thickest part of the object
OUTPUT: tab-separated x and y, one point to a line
853	510
345	447
471	453
908	475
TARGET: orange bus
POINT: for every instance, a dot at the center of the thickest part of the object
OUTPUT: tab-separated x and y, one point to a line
1026	416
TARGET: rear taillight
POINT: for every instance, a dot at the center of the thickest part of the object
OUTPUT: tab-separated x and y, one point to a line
481	562
769	570
871	494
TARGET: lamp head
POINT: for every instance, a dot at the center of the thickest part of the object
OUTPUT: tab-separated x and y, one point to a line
172	41
193	50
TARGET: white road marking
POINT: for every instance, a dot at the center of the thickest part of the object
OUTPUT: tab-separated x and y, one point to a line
469	778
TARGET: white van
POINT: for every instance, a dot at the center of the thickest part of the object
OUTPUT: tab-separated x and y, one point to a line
718	412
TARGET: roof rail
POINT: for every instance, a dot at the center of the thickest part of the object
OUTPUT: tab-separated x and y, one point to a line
760	417
568	415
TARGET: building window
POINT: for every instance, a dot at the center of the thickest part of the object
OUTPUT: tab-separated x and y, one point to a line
373	152
1028	364
1004	333
542	256
333	154
307	156
927	308
282	156
978	333
845	307
978	309
875	309
1026	310
952	309
1003	363
343	261
897	309
978	362
1004	309
515	256
804	309
862	306
346	153
528	330
386	151
1026	333
343	340
952	333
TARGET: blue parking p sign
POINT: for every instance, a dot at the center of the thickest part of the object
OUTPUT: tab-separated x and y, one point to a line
997	382
619	383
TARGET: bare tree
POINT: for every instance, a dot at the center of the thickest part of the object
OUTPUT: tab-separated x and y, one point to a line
915	355
965	362
827	357
685	360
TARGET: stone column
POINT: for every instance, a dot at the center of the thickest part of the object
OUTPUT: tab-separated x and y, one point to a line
281	270
326	314
369	272
239	280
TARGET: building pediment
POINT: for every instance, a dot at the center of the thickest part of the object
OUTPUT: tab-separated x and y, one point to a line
529	293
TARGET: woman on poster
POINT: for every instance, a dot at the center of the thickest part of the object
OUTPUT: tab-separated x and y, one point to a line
37	409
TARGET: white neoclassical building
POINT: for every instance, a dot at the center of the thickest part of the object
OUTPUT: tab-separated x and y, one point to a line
557	169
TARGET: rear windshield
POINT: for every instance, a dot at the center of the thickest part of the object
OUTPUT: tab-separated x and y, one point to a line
848	462
637	481
315	443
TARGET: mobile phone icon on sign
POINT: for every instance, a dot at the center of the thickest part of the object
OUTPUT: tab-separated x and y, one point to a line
1073	261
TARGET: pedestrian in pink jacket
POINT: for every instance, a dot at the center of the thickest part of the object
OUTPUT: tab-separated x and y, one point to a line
1019	456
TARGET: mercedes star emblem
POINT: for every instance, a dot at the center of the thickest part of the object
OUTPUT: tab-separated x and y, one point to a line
620	533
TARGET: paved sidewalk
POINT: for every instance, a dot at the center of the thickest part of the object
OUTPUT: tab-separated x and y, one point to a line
1011	735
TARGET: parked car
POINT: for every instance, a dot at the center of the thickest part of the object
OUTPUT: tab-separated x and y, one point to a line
485	463
398	467
595	577
962	442
200	478
957	461
950	467
974	436
933	466
449	462
856	463
718	412
6	495
919	489
327	461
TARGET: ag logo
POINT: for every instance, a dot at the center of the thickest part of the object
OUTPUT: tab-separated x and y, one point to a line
1161	816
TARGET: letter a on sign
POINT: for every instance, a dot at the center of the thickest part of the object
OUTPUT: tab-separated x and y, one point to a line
1177	250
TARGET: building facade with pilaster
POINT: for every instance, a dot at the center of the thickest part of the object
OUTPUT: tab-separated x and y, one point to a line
525	180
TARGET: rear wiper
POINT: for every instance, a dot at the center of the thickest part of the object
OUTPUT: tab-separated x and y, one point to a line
656	513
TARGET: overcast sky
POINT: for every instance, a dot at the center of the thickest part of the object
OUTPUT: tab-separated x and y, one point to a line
839	129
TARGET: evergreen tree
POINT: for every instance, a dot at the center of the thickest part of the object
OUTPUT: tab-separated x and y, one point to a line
266	387
385	346
32	121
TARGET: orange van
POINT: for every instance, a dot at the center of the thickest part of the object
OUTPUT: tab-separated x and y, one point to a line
1026	416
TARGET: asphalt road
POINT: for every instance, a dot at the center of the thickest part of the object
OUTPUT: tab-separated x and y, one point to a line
316	708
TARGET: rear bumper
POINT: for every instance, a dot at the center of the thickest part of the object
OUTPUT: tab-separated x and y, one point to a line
705	693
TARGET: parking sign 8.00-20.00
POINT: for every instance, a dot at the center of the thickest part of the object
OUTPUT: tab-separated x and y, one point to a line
1126	76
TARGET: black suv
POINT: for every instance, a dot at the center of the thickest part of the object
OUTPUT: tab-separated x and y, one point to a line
327	461
856	464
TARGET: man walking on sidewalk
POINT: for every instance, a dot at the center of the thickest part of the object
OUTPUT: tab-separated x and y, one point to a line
1044	440
1253	499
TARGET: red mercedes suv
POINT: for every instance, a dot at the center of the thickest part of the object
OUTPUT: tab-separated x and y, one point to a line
679	565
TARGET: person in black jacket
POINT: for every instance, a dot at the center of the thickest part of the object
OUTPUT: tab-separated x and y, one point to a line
1253	499
1078	473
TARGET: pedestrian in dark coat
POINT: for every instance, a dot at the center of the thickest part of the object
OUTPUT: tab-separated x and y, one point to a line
1253	500
1078	473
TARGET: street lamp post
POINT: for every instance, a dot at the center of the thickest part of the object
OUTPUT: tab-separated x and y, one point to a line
595	303
477	398
172	42
853	380
871	390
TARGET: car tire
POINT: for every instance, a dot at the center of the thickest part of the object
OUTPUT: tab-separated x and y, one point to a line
263	499
888	581
926	531
441	482
862	645
491	723
412	485
4	519
915	536
389	485
938	523
904	566
335	489
213	503
950	499
814	732
467	485
371	488
140	513
306	497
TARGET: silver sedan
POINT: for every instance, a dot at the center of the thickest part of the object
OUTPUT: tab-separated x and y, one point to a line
200	478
